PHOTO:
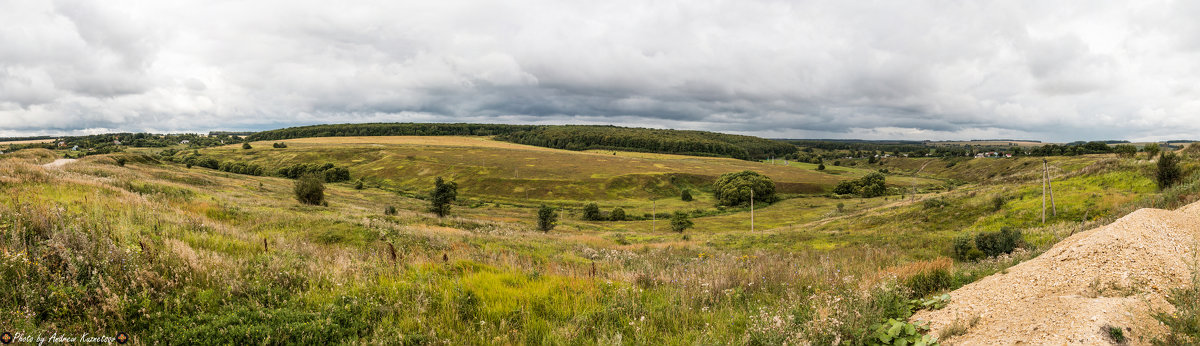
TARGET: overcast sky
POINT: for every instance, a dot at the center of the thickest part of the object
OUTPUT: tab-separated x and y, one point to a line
1046	70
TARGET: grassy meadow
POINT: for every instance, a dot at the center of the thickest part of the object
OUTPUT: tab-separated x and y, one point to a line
193	255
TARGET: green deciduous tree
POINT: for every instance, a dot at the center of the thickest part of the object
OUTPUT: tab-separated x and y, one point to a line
1168	170
310	189
1152	150
1125	150
618	214
546	218
443	194
871	185
686	196
733	189
680	221
591	212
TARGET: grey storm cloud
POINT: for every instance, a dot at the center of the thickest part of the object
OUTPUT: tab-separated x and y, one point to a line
852	69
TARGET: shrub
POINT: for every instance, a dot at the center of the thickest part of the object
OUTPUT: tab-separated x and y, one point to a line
1125	150
443	194
328	171
358	185
680	221
390	210
998	243
121	161
686	196
964	248
617	214
734	189
1115	334
246	145
841	206
591	212
1152	150
546	218
310	190
895	332
821	166
997	203
1183	324
929	282
933	203
848	187
1168	170
279	145
871	185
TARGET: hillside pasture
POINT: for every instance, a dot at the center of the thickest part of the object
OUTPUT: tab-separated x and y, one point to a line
501	171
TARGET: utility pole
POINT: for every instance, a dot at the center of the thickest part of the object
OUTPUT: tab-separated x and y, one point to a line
1050	187
1043	191
653	214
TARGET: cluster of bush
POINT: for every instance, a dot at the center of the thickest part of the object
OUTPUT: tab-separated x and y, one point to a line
871	185
736	189
987	244
331	173
241	168
211	163
591	212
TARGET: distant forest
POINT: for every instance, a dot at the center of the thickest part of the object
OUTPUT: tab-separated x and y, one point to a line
389	129
582	137
570	137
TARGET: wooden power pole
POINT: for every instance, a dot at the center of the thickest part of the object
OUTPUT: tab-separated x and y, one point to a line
653	214
1047	187
1043	191
751	210
1050	187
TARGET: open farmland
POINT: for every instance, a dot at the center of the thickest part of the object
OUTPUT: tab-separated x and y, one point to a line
504	171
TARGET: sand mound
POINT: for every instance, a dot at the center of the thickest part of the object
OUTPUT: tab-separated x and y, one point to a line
1111	275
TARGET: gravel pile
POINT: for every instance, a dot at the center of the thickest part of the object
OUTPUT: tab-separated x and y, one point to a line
1108	276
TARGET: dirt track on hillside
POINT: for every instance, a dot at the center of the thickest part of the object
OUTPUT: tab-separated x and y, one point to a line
1108	276
59	163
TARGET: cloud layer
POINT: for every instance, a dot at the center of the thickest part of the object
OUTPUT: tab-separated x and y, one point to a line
849	69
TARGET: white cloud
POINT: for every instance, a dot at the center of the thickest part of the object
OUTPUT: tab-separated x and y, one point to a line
930	69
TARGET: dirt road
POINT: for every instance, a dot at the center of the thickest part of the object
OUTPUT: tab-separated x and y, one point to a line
59	163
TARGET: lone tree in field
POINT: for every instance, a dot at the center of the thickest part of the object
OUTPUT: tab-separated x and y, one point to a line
1168	170
310	189
734	189
680	221
821	166
686	196
246	145
443	194
1152	150
591	212
617	214
547	218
